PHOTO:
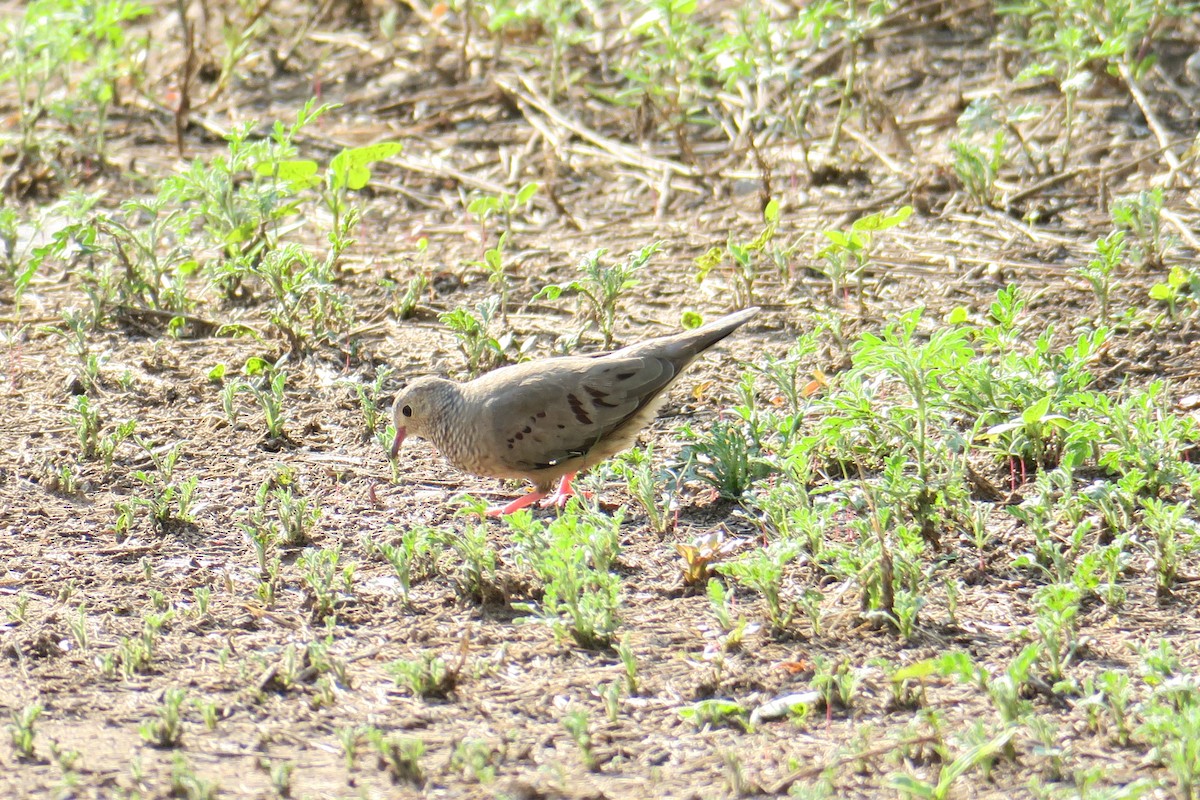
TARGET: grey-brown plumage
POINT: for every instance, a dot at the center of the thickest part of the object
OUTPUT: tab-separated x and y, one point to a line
546	420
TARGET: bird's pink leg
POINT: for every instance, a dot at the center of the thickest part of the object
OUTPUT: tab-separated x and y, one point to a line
558	498
516	505
562	494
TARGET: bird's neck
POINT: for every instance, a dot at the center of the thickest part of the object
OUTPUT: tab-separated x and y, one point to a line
446	432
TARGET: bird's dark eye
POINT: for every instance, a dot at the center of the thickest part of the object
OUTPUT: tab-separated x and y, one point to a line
406	411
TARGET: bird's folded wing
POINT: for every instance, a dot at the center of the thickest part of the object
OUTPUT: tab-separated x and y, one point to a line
565	409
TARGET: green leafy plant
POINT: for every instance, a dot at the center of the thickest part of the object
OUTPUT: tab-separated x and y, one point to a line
427	677
726	458
1035	436
87	426
136	270
22	730
919	367
576	723
320	573
297	516
848	254
1140	217
1182	286
743	269
169	500
601	288
268	390
349	170
65	59
978	168
476	574
473	330
668	64
1069	41
400	757
654	489
1110	251
716	712
762	570
573	557
949	773
1174	536
503	204
186	783
407	297
166	730
475	760
410	555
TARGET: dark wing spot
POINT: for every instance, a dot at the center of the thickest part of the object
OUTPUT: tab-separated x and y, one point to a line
624	376
578	410
527	429
598	396
541	415
520	436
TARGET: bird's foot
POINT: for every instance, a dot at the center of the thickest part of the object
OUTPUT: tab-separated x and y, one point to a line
516	505
557	499
563	493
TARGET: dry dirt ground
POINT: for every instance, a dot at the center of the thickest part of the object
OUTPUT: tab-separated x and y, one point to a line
479	128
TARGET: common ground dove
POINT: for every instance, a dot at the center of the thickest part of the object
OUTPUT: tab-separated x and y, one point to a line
546	420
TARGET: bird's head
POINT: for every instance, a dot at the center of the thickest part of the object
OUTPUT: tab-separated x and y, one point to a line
418	405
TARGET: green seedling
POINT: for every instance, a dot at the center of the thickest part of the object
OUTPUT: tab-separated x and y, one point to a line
476	577
572	557
186	783
969	759
320	573
298	515
1099	272
349	736
600	288
428	677
1181	286
269	392
725	457
717	713
349	170
655	490
763	570
848	254
473	332
742	259
576	723
87	427
1140	217
22	730
166	731
475	760
65	61
399	757
837	683
373	414
503	204
409	558
978	168
493	265
1034	436
406	298
629	662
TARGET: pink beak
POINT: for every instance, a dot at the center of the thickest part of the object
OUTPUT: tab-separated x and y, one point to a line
400	433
